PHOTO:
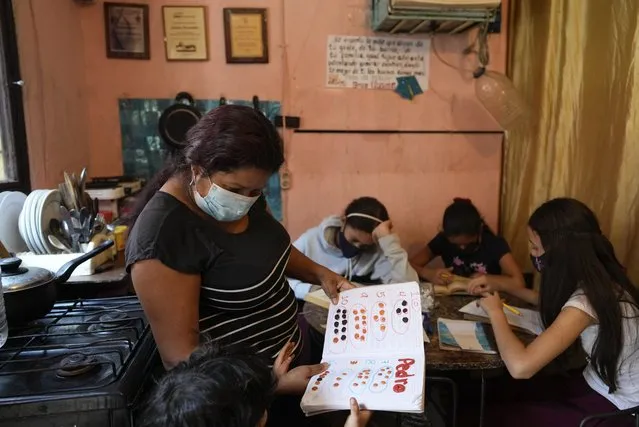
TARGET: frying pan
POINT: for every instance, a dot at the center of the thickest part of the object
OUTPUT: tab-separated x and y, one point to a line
29	293
176	120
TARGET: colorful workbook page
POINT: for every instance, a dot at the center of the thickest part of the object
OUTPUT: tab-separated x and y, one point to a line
375	351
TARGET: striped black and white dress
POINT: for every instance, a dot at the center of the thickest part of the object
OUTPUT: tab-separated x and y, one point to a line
245	299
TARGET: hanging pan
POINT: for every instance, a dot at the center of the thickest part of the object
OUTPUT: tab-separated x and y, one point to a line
176	120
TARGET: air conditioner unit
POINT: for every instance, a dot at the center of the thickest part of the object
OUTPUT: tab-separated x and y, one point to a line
431	16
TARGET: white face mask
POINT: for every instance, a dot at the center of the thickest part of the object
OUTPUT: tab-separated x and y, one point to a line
223	205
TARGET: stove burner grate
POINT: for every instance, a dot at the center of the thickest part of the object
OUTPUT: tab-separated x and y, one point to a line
77	364
111	320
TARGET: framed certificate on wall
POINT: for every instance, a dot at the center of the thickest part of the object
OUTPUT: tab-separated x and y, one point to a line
126	27
185	33
245	36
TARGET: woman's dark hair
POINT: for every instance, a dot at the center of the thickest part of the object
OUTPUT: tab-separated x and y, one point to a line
579	256
367	206
227	138
461	218
211	389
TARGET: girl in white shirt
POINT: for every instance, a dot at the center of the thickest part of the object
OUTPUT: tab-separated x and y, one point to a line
584	292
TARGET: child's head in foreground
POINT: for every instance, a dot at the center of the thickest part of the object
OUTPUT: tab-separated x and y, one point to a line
212	389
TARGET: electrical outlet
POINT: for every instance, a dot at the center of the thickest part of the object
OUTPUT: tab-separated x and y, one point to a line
285	180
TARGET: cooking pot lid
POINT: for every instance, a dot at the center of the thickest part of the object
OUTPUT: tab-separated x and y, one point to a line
17	278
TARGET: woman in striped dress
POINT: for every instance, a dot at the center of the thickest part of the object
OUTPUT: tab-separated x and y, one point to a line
206	256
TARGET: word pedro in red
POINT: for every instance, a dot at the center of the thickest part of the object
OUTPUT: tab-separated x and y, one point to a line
402	375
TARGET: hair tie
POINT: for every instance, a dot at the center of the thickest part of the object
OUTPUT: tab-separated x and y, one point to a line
363	215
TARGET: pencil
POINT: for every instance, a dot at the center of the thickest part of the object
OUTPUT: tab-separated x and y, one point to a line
511	309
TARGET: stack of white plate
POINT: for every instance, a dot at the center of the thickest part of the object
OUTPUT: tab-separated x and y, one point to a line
39	209
11	203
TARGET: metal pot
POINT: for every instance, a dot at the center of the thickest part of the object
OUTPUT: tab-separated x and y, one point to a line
29	293
177	119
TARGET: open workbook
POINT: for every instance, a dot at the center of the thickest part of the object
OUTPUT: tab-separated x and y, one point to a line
375	351
458	286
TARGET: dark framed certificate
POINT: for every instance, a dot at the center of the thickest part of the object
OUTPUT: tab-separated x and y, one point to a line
126	27
246	36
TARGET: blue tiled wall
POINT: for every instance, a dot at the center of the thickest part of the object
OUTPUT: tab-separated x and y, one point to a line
144	152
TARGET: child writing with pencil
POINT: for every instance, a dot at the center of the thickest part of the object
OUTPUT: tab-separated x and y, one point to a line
584	293
469	249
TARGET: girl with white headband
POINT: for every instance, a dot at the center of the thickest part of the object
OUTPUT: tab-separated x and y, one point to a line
359	245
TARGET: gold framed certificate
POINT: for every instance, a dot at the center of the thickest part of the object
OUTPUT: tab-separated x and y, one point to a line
185	33
246	36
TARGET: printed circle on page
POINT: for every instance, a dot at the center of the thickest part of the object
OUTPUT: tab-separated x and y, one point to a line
337	341
358	326
379	325
400	319
379	383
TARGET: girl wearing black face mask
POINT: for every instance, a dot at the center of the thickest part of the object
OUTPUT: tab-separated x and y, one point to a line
359	245
468	248
585	297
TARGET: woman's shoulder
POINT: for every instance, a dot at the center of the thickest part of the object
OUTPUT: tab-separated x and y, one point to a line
167	230
162	209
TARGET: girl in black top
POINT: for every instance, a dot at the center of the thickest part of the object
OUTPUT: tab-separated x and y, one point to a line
206	256
469	248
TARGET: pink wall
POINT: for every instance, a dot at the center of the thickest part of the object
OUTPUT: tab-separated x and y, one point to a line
52	66
415	175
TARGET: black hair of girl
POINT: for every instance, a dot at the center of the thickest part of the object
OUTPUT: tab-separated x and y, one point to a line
227	138
579	256
368	206
211	389
461	218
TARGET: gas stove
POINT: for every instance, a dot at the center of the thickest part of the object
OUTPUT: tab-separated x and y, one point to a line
84	364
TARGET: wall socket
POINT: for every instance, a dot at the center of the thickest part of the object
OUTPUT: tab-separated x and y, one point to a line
285	180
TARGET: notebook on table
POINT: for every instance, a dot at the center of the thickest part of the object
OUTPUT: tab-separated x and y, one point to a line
320	299
458	286
529	321
375	351
464	335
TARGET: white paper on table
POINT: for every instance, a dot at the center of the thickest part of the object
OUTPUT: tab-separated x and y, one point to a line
529	319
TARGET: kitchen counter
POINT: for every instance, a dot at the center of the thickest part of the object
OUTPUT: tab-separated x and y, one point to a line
112	282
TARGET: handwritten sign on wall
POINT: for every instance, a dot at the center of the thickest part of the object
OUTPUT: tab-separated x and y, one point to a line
360	62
